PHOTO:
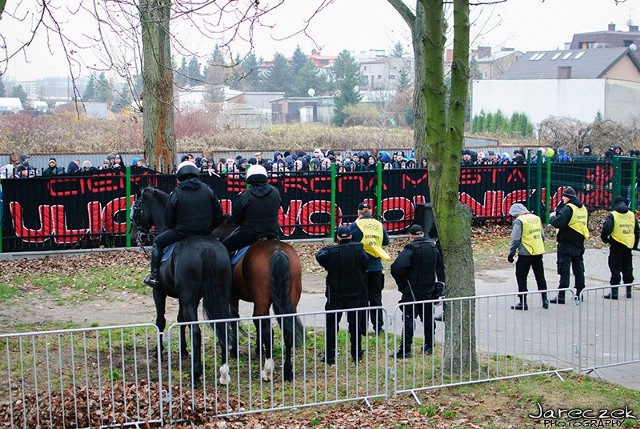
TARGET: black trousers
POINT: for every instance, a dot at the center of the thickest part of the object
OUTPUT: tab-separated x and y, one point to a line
568	261
374	287
409	313
355	321
620	261
523	264
241	237
167	238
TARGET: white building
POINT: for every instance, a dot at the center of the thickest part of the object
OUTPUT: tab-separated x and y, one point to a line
570	83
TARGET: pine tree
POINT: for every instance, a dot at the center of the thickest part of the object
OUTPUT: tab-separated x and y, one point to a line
194	76
250	79
19	92
348	82
398	50
307	77
90	90
182	73
404	81
279	77
123	99
3	91
298	61
102	89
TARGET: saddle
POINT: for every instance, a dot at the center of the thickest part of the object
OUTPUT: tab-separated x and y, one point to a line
238	254
168	251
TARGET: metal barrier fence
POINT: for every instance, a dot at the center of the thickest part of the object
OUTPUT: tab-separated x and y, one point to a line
91	377
110	376
609	328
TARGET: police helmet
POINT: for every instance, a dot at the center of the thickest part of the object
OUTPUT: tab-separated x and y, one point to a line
187	170
256	174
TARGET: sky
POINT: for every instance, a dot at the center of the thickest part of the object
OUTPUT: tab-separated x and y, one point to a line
354	25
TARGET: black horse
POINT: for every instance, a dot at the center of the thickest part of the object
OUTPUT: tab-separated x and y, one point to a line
198	268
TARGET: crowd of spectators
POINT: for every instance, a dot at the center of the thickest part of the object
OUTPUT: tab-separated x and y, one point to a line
317	160
24	169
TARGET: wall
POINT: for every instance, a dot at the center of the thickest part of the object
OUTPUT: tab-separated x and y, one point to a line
541	98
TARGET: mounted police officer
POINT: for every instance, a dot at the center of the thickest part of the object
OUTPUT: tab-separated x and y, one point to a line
346	264
527	238
373	236
255	212
620	231
415	272
571	222
193	209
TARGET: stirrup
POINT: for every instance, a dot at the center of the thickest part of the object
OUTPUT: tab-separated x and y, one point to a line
151	280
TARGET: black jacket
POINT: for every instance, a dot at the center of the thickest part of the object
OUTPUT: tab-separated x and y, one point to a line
51	171
569	240
607	229
193	208
258	208
346	264
416	268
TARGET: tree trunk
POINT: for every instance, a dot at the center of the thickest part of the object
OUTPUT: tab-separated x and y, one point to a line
439	134
157	102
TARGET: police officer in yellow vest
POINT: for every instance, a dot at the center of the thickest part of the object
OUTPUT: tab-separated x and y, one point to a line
527	238
571	222
620	231
373	236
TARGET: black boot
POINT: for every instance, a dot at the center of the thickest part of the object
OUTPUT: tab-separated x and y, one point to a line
629	291
613	294
522	305
156	256
558	299
545	301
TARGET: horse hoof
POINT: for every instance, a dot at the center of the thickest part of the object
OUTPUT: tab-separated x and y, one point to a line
267	371
224	375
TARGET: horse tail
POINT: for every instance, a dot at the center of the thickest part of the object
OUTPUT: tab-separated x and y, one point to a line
279	280
216	281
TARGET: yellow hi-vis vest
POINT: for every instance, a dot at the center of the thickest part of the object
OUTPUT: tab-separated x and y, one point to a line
623	227
578	221
372	236
531	234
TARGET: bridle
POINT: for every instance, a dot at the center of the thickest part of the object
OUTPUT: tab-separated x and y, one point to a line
143	233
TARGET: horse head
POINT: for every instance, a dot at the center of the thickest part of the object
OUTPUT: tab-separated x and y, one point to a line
148	211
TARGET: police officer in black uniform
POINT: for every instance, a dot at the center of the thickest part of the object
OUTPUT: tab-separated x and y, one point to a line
193	209
620	230
255	212
346	264
415	272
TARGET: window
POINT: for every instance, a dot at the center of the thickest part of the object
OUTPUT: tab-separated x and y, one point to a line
537	57
555	56
579	55
628	43
392	76
567	55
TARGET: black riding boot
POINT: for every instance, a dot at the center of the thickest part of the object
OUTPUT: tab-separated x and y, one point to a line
522	305
613	294
156	256
545	301
629	291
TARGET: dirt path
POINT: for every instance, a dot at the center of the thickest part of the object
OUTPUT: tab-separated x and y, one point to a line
40	307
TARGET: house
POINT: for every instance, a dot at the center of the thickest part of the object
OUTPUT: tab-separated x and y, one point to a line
493	65
384	72
576	83
248	110
302	109
611	38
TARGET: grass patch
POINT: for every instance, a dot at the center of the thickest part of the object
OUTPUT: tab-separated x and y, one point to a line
7	292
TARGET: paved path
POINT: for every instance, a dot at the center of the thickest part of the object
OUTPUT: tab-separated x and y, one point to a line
494	320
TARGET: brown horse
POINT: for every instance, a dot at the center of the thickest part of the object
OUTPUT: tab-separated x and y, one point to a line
269	273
